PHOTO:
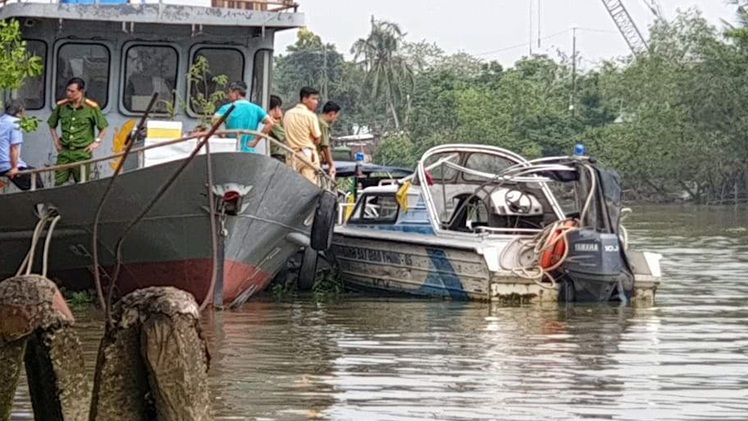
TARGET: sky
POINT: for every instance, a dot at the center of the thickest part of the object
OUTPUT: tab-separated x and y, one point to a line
493	29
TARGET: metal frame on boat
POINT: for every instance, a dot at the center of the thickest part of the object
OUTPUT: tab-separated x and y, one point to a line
481	222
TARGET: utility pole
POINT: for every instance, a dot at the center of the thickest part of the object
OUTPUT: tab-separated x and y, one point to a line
531	31
324	70
573	70
539	24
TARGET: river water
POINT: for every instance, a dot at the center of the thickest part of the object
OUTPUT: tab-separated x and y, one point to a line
359	358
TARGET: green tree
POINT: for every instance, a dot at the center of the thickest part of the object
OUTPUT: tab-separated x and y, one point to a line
15	60
389	75
208	90
397	150
17	64
309	62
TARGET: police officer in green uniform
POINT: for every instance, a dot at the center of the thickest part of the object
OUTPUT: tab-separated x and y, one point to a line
79	118
276	132
330	114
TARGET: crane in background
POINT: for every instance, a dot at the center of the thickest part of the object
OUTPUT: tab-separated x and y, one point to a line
626	25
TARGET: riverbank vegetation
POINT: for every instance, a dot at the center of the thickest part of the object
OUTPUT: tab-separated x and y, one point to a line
673	121
327	286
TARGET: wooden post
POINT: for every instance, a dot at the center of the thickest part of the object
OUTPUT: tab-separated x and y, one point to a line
36	330
153	364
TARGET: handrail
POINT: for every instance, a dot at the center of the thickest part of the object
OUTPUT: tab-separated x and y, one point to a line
497	230
258	5
34	172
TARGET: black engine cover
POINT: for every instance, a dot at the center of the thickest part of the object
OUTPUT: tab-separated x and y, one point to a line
595	266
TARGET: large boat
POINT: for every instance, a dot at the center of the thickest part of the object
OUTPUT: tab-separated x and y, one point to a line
477	222
263	211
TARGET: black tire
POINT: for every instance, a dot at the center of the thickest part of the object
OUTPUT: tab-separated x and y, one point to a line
324	221
308	270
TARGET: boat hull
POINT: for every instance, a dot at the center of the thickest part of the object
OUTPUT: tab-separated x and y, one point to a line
172	245
373	260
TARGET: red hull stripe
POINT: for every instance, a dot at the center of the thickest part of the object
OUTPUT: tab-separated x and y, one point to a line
193	276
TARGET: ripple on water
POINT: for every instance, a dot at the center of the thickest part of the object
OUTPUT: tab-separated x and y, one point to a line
374	359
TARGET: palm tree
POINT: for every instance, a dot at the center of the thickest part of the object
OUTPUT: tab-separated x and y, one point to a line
738	32
741	14
388	72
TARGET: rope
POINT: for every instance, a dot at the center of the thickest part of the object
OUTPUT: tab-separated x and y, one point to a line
213	228
545	241
47	242
95	236
28	262
593	186
539	244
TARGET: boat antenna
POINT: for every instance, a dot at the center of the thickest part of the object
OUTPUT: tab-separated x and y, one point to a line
95	237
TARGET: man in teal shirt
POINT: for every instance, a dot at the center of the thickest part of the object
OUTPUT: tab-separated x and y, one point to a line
246	115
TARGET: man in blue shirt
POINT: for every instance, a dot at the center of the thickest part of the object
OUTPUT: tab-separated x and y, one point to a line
246	115
11	139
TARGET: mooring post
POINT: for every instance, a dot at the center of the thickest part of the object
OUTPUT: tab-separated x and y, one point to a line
153	362
36	330
11	360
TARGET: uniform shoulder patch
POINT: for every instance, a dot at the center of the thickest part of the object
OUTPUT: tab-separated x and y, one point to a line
91	103
63	101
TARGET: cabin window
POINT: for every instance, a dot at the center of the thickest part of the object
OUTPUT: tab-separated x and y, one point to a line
469	212
32	92
261	76
149	69
486	163
374	209
89	62
442	171
221	61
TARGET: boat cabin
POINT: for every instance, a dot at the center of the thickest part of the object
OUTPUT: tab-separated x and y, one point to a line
458	189
126	51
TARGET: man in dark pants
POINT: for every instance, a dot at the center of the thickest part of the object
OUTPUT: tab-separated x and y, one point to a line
78	118
11	139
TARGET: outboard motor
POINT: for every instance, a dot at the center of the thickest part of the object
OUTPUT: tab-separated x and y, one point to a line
596	268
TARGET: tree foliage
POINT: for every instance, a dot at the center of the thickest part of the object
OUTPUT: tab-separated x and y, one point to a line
208	90
16	62
673	120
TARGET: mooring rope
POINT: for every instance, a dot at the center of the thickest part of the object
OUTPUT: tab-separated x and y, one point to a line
539	244
95	235
213	228
545	241
28	262
47	242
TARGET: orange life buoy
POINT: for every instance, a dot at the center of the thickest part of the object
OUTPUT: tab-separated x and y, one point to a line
551	256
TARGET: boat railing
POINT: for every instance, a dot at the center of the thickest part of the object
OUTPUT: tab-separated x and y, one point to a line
344	210
325	181
257	5
496	230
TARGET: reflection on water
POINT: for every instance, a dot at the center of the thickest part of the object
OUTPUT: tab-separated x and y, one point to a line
368	359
